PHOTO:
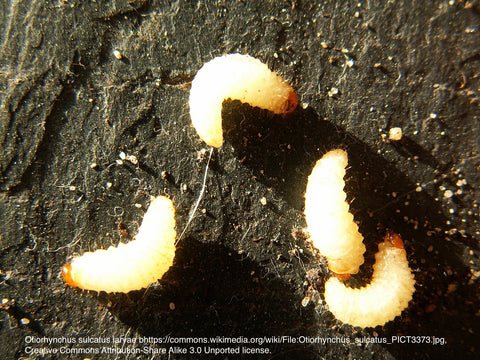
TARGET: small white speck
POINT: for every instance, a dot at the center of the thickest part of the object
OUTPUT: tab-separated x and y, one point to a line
433	115
133	159
109	185
448	194
138	206
117	54
395	134
122	155
325	45
263	201
24	321
305	301
333	91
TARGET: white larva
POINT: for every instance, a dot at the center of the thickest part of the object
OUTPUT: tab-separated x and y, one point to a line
332	229
387	295
134	265
236	77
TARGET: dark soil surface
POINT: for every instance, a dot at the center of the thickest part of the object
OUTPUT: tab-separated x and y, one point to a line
69	107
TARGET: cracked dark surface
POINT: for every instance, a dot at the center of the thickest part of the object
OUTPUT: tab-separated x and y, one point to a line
69	107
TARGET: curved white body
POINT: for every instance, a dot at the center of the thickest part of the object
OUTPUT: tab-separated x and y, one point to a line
389	292
236	77
134	265
330	224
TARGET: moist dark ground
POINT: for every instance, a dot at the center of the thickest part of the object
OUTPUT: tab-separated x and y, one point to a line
67	103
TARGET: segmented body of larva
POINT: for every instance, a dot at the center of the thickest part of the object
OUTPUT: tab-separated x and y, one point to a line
330	224
134	265
387	295
236	77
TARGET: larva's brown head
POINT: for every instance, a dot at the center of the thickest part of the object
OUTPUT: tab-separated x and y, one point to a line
67	275
394	239
342	277
291	103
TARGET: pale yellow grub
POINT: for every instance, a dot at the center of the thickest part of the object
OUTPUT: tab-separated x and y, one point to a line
236	77
330	224
134	265
387	295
